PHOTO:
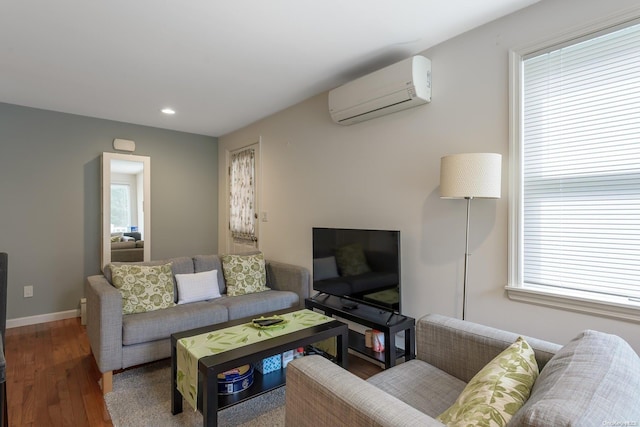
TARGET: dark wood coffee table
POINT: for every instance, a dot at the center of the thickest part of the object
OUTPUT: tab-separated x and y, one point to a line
209	401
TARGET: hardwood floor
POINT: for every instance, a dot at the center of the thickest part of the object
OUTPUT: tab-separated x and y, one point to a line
52	379
362	368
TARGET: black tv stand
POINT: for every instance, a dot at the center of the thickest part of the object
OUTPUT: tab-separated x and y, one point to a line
388	322
349	305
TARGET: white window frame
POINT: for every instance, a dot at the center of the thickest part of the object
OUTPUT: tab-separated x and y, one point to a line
585	302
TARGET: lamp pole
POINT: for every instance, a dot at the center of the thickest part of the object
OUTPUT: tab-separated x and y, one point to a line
466	261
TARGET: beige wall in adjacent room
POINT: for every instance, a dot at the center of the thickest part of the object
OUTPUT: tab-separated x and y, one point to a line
384	174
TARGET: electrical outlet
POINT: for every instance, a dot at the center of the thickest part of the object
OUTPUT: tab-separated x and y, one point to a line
28	291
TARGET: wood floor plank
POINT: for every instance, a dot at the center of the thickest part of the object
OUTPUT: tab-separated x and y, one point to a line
42	381
68	358
15	381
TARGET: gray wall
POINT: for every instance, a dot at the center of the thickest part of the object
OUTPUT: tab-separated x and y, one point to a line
50	200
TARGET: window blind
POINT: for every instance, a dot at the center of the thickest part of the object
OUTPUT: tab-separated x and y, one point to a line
581	165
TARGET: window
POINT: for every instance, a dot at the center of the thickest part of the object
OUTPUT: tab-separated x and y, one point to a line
120	207
575	232
242	195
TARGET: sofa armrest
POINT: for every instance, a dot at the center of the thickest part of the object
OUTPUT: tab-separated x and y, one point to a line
104	322
462	348
289	277
320	392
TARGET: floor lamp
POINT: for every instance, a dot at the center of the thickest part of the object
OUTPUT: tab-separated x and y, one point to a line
470	176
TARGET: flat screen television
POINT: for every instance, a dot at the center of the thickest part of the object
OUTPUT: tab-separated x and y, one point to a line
358	266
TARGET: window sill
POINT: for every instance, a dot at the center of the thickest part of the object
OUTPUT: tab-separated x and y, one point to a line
583	302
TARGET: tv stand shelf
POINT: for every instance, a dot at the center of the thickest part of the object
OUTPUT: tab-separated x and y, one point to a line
385	321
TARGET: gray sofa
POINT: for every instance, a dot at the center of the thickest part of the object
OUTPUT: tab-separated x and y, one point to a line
129	247
592	381
119	341
127	251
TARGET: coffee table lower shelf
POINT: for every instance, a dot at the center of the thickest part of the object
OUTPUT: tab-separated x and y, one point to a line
262	383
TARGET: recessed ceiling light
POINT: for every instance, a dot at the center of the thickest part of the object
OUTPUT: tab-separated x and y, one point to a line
168	111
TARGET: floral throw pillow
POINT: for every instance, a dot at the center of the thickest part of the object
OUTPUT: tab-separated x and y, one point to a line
244	274
143	287
352	260
498	391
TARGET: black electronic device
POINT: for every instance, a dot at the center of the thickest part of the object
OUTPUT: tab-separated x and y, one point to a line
267	322
358	265
348	305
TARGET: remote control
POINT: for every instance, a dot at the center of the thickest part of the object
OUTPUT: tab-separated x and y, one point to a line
267	322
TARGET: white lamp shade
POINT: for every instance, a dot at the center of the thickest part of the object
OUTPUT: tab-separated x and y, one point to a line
471	175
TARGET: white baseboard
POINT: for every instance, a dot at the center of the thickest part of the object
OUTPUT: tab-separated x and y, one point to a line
42	318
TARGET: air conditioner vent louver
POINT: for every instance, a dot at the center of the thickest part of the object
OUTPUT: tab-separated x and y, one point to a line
354	119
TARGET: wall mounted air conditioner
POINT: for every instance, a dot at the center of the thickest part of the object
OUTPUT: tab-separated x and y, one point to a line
397	87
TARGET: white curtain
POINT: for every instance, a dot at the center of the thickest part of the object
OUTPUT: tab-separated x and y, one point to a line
242	195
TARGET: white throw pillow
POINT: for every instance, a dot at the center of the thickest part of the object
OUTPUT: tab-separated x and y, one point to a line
198	286
325	268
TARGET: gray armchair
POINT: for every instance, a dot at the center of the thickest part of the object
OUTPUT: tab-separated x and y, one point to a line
594	380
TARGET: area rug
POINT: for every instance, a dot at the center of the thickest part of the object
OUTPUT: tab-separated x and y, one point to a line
141	397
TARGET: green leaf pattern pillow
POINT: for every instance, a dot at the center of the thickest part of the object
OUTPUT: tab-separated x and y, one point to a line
144	288
352	260
244	274
498	391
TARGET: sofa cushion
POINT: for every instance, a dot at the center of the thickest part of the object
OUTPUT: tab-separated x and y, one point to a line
135	235
336	286
258	303
197	286
207	263
498	391
144	288
244	274
371	281
123	245
420	385
593	380
156	325
325	268
180	265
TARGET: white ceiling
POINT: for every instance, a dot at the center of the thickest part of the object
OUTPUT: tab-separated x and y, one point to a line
220	64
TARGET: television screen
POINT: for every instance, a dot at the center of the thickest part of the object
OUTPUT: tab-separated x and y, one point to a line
358	265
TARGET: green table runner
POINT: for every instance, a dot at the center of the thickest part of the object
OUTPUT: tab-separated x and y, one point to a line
189	350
